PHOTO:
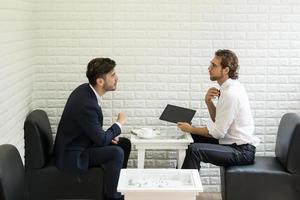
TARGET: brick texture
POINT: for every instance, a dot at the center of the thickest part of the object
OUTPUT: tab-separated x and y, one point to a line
162	49
17	58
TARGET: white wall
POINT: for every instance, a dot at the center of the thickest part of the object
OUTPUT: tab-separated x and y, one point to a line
162	47
16	69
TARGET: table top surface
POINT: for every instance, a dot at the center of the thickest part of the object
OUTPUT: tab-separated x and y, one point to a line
163	135
181	180
163	138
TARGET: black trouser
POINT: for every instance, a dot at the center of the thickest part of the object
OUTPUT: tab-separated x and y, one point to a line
209	150
112	158
125	144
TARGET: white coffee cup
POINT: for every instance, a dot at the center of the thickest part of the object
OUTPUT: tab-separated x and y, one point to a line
146	133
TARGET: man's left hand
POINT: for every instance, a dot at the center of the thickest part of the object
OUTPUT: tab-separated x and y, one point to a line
185	127
115	140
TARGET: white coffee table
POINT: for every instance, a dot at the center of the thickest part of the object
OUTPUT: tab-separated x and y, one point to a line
160	184
177	142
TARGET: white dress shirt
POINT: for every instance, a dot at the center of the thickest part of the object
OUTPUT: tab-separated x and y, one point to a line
99	103
234	121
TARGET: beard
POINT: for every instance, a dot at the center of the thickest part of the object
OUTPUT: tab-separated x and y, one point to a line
215	78
112	87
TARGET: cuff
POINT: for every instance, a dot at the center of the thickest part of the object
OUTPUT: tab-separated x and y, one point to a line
119	124
211	128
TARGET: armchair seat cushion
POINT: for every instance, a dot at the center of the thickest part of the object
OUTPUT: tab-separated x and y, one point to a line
51	183
262	165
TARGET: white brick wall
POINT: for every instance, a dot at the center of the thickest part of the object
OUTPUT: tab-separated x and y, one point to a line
16	69
162	47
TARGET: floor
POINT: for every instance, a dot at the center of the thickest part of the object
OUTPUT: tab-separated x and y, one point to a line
209	196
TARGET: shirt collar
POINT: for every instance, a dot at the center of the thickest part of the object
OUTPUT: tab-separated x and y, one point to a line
226	84
97	95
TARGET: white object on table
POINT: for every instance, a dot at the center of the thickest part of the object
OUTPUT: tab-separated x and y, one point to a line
178	142
160	184
146	133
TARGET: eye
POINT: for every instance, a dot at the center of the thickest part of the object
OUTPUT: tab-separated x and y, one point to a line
212	65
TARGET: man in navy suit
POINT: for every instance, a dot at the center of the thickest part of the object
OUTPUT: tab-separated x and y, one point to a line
81	142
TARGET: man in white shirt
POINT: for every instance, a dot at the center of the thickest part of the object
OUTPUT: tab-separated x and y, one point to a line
228	138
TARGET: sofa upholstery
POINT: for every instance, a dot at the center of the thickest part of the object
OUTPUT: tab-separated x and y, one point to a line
274	178
43	179
12	183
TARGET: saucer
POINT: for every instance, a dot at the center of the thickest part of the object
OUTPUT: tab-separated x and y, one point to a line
145	135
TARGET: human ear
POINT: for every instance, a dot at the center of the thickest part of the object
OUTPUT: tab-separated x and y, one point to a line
227	70
100	81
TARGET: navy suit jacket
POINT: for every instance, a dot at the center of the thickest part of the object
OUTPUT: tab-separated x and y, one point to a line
79	129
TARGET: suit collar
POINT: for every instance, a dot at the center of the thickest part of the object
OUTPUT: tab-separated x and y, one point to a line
97	95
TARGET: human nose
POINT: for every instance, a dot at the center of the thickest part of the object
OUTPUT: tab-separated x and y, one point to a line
209	67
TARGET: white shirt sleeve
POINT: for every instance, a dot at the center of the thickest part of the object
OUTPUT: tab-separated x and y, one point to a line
225	114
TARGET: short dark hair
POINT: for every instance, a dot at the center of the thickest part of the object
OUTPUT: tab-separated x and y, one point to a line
98	68
230	60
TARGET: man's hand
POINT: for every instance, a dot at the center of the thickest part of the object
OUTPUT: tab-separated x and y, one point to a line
121	118
211	94
115	140
185	127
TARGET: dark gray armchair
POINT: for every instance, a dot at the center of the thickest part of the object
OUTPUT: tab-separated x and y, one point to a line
269	178
43	179
12	185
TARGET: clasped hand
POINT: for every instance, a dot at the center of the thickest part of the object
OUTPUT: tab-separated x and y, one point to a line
211	94
115	140
121	119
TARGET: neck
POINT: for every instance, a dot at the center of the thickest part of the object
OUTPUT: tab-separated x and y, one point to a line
99	90
222	80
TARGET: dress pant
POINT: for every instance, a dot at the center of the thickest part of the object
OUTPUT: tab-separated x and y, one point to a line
125	144
209	150
112	158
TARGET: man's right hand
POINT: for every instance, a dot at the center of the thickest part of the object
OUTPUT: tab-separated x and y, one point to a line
211	94
121	118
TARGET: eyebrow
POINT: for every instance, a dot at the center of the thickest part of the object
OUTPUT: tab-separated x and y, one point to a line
113	73
213	63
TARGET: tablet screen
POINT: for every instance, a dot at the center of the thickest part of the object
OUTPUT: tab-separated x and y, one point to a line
176	114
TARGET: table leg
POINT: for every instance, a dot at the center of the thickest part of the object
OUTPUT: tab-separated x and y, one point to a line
141	158
180	157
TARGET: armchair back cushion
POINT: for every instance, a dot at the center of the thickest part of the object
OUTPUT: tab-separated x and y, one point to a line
38	140
288	143
12	182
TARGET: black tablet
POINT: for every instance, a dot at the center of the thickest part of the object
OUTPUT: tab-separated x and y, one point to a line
177	114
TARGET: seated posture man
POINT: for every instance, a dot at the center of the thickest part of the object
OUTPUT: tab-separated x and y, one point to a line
81	141
228	138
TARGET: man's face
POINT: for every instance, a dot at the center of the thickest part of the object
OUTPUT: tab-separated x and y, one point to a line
215	70
110	81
